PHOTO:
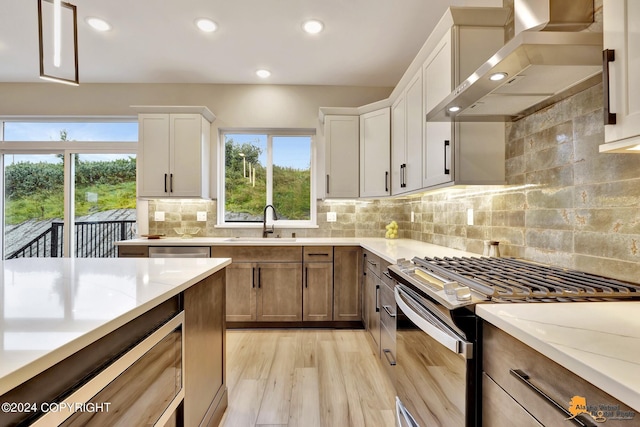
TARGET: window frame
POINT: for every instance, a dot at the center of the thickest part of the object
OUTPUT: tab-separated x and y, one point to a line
68	149
270	133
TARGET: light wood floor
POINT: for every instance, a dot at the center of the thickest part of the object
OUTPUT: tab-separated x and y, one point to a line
306	378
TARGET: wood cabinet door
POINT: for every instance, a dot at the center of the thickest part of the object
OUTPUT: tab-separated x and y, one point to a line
341	156
347	289
317	291
375	146
279	297
153	155
241	292
186	155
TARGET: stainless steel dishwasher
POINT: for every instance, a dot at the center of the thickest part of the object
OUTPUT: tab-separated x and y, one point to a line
179	252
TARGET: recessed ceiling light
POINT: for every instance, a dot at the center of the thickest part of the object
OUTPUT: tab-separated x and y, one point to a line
454	109
263	73
98	24
497	76
206	25
313	26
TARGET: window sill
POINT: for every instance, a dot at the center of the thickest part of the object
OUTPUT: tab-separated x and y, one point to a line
255	226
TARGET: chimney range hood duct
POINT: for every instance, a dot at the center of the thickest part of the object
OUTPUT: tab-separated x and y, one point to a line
538	66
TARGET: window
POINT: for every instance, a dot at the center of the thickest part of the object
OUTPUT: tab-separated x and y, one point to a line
68	186
267	168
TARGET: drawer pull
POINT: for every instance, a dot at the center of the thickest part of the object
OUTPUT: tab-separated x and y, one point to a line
389	356
319	254
523	377
386	308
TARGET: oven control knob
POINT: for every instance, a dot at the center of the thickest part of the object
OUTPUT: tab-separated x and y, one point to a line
463	293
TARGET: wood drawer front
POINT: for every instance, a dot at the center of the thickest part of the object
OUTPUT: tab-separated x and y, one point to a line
372	263
317	253
500	410
133	251
503	352
258	253
388	309
388	353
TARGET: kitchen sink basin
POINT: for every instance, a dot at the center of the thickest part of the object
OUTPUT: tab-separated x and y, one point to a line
261	239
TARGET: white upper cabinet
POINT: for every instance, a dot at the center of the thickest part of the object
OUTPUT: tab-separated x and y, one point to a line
375	135
621	65
407	123
174	153
341	134
460	153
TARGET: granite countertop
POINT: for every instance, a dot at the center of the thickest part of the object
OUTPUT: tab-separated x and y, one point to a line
388	249
53	307
598	341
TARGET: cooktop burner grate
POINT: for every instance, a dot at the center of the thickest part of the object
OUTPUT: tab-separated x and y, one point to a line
508	279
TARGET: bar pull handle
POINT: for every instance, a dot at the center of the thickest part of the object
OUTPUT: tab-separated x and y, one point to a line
372	263
447	147
253	277
523	377
387	308
322	254
259	277
403	175
171	183
377	298
165	182
386	181
306	277
390	359
608	55
328	184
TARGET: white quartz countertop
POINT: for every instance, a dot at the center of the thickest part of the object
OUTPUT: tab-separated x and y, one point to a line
388	249
53	307
598	341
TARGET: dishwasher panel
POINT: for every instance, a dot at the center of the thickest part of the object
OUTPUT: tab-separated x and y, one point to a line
179	252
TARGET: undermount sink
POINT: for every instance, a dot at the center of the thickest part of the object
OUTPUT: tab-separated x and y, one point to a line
261	239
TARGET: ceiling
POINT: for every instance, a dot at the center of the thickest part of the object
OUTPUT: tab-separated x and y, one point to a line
364	42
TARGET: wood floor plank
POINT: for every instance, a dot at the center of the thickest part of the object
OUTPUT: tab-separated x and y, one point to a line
276	400
305	377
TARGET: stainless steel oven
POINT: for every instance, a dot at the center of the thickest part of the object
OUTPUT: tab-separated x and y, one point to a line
438	335
436	371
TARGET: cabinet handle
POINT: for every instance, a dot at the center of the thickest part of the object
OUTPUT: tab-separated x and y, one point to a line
387	309
328	184
390	359
608	55
306	277
253	277
377	298
522	376
386	181
259	277
171	183
372	263
447	145
165	182
364	265
319	254
403	175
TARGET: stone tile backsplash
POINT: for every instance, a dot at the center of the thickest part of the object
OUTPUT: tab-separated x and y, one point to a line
564	204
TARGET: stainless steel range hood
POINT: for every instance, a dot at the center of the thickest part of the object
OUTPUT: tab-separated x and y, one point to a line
539	67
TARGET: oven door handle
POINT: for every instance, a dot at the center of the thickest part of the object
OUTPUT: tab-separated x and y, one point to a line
431	325
402	414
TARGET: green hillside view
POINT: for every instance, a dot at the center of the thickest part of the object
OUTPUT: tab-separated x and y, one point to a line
35	190
291	187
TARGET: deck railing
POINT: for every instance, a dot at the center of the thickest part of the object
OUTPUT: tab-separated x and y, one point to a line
93	239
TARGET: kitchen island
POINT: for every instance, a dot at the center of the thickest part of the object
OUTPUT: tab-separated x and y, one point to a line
70	327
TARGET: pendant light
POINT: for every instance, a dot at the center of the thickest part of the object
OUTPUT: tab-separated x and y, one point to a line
58	37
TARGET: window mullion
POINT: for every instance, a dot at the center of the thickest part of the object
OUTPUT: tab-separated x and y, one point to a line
69	204
269	177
